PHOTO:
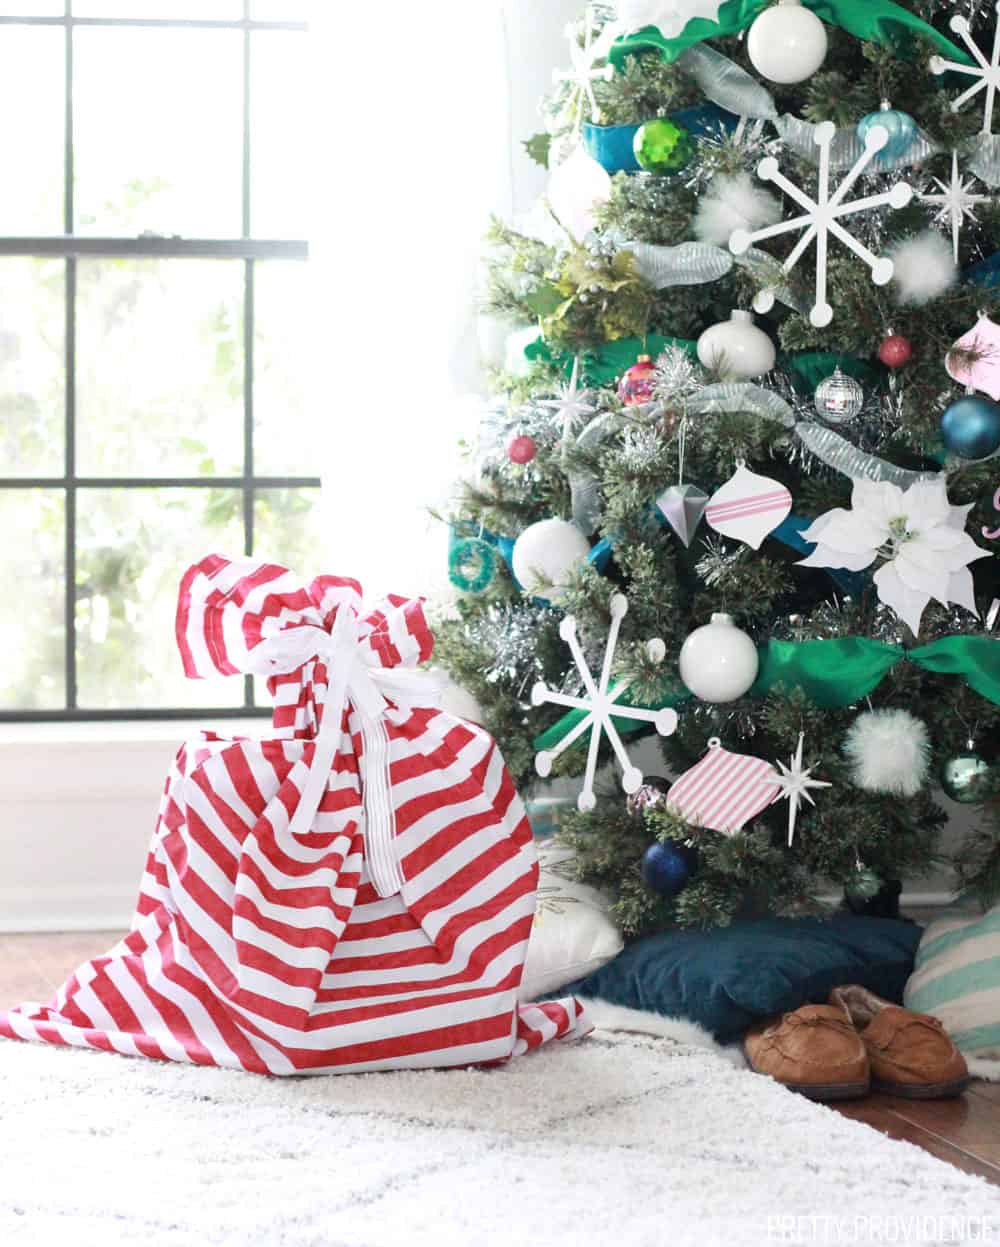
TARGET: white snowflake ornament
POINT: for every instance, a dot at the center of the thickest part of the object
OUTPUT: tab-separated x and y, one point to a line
571	405
986	72
584	71
821	218
955	202
600	703
793	785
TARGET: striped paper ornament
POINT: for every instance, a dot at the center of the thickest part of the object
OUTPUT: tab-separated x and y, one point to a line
724	790
748	507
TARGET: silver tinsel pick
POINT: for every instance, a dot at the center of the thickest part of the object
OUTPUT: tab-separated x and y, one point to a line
509	633
717	562
677	376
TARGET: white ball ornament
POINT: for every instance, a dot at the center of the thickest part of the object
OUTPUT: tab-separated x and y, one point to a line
737	348
546	555
787	43
719	662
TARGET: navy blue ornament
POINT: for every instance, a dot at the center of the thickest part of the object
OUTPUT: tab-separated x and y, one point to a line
667	868
970	428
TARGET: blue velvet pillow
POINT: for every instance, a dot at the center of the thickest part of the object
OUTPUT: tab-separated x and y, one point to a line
729	978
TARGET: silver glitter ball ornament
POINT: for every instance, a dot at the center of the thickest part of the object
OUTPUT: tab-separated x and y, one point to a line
651	794
839	398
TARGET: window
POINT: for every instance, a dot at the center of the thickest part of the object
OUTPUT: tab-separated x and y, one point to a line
152	330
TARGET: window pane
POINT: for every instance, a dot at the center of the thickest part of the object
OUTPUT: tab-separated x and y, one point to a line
32	367
133	546
172	403
282	446
219	10
32	86
32	8
278	132
32	627
162	150
279	10
288	529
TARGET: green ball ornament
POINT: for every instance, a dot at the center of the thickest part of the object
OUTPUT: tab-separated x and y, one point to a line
662	146
966	778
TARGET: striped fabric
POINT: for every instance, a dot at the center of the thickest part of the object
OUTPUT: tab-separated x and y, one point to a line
724	790
956	978
256	948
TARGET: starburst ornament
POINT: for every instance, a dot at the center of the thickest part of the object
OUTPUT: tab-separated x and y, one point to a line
956	202
599	704
986	72
821	218
584	71
793	783
571	405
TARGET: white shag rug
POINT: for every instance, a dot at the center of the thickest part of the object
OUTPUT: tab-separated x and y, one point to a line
621	1140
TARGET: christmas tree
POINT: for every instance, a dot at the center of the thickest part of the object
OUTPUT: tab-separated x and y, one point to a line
738	490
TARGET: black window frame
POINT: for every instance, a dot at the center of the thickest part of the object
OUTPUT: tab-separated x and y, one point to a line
71	247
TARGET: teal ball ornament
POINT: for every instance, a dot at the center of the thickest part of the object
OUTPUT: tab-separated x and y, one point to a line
900	127
967	778
662	146
667	868
970	428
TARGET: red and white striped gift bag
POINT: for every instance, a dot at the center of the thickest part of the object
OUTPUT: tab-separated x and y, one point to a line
269	934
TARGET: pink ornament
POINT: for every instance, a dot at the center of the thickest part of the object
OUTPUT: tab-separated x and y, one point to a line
521	449
724	790
992	536
974	360
637	383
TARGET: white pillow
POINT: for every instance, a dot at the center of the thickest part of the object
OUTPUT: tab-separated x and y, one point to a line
572	934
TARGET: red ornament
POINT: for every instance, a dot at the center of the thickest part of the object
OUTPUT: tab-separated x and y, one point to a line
895	351
521	449
636	385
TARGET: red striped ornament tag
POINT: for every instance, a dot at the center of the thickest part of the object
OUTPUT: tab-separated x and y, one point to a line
724	790
748	507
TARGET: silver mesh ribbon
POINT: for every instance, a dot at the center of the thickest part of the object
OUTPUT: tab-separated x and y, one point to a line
742	396
726	84
585	494
688	264
838	453
847	149
984	161
768	274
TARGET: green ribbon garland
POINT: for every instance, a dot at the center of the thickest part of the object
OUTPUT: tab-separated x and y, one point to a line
839	672
605	365
875	21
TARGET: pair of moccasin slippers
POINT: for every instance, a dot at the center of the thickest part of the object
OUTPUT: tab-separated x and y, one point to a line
854	1044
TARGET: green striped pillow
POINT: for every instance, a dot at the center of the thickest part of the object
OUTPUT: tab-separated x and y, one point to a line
956	978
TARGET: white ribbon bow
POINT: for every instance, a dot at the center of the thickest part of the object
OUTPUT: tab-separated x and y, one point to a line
353	675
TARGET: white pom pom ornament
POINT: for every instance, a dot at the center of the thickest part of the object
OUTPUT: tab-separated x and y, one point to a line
923	268
546	555
734	203
889	752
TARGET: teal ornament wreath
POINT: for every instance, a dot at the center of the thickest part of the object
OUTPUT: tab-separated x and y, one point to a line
472	565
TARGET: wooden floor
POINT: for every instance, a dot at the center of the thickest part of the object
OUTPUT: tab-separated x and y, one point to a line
965	1132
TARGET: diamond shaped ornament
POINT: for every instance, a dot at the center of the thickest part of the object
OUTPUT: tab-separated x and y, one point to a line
683	506
748	507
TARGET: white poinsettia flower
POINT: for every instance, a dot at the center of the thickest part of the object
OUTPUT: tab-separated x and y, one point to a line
668	16
920	536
